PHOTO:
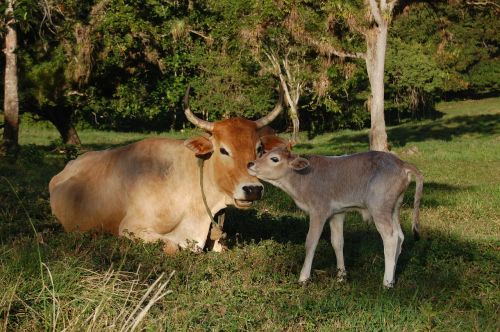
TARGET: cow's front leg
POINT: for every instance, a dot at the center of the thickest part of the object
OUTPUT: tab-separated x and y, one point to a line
217	247
316	223
187	234
147	235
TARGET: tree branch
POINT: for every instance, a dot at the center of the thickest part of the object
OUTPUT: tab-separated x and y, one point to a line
327	49
484	3
383	5
391	5
321	46
375	11
288	83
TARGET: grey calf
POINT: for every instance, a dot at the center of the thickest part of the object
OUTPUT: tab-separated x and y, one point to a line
326	187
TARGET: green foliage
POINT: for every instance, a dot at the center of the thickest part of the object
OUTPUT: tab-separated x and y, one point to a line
125	64
484	76
413	79
461	39
43	85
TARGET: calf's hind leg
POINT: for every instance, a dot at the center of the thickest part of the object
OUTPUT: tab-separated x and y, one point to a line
397	225
337	240
390	239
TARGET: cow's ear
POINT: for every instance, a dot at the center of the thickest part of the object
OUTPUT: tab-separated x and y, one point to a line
298	163
270	142
201	146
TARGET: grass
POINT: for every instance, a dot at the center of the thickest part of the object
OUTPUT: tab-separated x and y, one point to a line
447	281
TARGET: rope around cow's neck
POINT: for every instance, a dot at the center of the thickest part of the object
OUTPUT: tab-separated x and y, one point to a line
216	232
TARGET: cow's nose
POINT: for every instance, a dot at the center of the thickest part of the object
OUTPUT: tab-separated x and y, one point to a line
250	164
253	192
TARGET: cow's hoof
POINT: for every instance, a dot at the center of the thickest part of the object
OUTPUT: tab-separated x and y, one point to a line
170	248
218	247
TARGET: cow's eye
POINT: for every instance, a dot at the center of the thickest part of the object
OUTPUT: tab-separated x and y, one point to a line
275	159
224	151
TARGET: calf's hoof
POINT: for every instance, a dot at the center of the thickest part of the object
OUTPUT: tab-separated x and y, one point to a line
341	276
304	281
389	285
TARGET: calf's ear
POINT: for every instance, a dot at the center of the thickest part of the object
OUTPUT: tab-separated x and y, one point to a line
298	164
265	131
270	142
201	146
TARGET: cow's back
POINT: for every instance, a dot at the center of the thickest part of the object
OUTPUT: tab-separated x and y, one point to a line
96	190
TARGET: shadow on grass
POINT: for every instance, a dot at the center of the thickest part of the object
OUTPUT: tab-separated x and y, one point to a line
445	129
437	260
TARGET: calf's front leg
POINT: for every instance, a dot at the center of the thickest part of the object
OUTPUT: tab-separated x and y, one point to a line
337	240
316	223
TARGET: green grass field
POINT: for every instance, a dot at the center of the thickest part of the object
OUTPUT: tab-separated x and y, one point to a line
447	281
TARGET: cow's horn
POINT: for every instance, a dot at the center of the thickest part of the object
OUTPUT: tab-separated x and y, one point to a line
265	120
206	125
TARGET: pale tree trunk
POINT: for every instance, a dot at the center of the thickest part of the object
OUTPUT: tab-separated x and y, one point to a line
11	99
376	42
380	14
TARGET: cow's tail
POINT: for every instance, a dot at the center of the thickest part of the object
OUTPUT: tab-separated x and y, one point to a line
419	180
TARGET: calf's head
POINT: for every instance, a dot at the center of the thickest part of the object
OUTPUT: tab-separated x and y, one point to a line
230	145
276	164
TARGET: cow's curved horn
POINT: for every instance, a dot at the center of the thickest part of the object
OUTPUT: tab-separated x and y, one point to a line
265	120
206	125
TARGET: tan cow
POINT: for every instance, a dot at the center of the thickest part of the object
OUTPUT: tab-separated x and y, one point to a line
151	189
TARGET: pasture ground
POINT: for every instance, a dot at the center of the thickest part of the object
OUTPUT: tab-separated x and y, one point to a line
447	281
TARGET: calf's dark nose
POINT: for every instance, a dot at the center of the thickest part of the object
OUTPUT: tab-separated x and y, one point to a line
250	164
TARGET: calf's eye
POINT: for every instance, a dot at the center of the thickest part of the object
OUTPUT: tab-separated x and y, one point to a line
224	151
275	159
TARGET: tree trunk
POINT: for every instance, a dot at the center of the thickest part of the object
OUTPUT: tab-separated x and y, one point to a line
69	135
11	99
61	119
376	42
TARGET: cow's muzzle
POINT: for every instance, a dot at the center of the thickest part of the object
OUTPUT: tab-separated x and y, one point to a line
253	193
247	193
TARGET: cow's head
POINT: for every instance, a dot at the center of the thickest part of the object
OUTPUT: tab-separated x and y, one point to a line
230	146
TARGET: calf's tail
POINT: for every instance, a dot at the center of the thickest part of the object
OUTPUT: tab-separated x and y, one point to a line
419	180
